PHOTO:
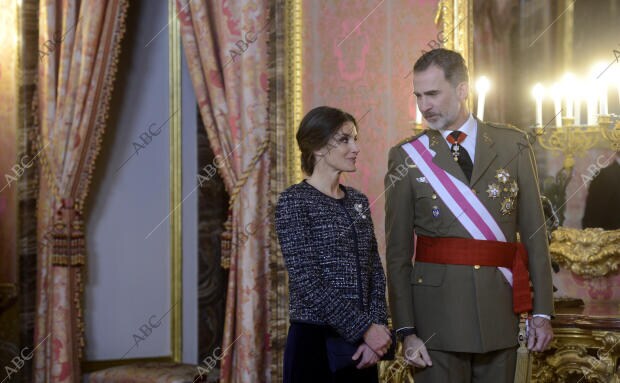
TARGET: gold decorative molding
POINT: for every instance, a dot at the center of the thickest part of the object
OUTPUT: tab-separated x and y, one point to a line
613	136
577	354
176	166
456	20
395	371
294	100
571	140
589	253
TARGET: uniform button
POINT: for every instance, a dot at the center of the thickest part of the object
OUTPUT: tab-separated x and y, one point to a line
474	190
476	267
434	196
419	280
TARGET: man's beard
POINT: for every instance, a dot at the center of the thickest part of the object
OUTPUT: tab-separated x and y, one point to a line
440	124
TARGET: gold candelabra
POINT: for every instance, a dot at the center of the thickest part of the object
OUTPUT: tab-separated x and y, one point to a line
417	127
570	139
575	140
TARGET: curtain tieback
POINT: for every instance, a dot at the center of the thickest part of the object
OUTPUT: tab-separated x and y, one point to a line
226	236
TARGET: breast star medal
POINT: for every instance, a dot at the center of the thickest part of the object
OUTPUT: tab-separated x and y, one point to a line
493	191
502	175
505	188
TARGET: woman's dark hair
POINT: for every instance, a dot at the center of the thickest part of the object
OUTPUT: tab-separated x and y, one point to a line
451	62
316	129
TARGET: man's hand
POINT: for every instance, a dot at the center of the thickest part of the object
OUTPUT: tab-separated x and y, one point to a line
368	356
540	334
415	352
379	338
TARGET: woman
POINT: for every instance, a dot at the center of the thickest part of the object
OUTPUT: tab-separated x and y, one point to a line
336	281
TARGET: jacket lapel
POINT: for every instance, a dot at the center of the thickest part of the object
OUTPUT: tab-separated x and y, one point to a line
485	152
443	157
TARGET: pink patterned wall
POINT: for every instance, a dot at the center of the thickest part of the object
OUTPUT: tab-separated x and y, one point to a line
357	56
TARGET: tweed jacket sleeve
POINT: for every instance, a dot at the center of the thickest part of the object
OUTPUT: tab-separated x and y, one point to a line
378	306
300	251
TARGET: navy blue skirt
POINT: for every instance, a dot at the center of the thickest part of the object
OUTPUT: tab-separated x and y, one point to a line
305	358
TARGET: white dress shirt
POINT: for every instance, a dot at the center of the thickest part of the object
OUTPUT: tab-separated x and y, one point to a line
470	128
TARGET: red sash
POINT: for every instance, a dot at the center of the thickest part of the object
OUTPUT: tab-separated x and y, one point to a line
465	251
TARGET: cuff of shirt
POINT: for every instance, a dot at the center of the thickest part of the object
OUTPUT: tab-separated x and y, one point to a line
403	332
548	317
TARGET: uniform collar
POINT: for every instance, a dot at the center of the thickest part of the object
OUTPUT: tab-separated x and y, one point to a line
470	128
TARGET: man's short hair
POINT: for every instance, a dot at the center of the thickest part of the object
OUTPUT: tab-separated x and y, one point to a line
452	63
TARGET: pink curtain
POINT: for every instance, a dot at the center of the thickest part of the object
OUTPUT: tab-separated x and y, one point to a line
79	45
225	43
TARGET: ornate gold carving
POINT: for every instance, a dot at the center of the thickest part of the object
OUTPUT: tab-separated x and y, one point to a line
457	23
571	140
613	136
579	355
589	253
294	107
395	371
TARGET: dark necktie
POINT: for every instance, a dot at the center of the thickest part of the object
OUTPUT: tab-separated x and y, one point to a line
459	154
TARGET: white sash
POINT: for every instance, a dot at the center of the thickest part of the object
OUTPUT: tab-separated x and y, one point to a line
457	196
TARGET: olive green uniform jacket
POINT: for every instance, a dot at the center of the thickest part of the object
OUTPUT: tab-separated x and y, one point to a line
463	308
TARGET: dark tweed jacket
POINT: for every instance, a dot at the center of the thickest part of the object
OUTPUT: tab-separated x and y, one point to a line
330	251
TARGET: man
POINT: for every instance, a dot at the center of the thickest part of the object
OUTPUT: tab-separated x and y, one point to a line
602	201
465	195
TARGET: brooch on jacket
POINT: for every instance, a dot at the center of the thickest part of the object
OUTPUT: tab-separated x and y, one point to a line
359	208
505	188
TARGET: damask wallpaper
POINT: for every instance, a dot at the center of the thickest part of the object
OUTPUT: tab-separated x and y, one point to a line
357	56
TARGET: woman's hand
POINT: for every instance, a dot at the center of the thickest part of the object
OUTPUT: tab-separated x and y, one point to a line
379	338
368	356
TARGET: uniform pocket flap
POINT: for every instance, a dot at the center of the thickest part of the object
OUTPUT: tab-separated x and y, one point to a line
428	274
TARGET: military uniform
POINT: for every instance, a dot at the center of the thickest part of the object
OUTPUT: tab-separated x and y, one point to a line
464	309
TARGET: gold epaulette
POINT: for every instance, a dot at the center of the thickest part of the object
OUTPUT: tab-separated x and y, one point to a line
411	138
504	126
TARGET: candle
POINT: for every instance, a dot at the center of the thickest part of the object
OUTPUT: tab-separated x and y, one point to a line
592	111
557	103
418	114
538	93
577	111
568	86
482	87
603	100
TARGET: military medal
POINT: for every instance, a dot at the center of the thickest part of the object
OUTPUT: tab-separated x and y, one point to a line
502	175
455	152
493	191
455	138
507	206
505	188
436	211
